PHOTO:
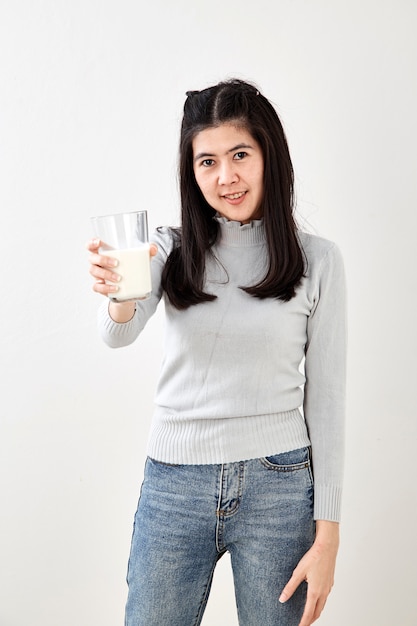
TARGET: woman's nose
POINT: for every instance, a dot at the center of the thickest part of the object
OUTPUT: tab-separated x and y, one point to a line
227	174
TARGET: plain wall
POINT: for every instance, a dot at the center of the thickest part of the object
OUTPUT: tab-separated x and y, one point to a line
90	103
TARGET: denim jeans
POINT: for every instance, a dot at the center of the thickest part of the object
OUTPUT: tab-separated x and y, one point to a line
260	511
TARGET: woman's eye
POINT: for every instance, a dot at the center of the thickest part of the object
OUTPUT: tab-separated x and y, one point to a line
240	155
207	162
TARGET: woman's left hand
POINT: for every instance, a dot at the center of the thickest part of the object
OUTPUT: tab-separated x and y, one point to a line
317	568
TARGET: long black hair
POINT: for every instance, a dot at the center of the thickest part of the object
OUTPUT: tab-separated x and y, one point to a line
240	103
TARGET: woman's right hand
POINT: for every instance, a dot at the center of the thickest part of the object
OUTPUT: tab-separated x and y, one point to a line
102	269
106	279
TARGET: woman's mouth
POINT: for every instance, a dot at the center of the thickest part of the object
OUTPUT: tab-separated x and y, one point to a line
234	197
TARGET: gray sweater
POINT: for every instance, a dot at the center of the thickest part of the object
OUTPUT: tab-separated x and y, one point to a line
242	377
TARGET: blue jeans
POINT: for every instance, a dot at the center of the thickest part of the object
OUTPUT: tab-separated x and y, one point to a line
260	511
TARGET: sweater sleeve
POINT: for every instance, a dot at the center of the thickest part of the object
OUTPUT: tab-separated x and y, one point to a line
324	394
117	335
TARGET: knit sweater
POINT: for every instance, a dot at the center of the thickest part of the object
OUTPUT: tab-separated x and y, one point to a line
244	377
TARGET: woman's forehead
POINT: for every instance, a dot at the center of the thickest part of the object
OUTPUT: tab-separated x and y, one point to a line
222	138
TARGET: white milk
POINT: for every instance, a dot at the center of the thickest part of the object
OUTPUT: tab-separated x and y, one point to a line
135	271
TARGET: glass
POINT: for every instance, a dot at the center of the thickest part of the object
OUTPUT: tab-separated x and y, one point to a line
124	236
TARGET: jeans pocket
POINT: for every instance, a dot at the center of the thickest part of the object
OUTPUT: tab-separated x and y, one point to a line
286	462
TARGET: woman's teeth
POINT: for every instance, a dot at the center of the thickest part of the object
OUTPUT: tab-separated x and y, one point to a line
235	196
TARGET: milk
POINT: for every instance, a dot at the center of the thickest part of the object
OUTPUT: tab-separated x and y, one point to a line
135	271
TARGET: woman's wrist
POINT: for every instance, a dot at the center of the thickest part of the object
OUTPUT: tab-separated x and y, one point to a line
327	532
122	312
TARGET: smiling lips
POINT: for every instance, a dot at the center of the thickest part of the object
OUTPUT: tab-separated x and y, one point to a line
234	196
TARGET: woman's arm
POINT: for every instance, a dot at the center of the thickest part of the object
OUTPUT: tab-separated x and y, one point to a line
324	411
325	387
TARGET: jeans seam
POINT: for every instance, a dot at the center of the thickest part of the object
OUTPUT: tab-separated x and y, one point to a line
219	514
204	599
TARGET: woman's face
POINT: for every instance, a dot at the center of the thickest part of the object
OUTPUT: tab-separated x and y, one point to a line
229	169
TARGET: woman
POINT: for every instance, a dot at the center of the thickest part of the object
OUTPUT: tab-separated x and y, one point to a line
255	332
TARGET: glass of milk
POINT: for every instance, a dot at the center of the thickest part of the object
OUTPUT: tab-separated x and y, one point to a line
124	236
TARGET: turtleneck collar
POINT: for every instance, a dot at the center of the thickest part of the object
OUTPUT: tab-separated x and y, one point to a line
236	234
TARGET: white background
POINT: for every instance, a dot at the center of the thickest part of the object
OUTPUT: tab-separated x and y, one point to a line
90	103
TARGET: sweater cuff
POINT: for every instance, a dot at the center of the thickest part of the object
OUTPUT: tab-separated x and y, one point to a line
327	502
115	334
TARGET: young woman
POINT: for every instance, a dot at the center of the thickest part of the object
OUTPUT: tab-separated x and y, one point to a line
246	446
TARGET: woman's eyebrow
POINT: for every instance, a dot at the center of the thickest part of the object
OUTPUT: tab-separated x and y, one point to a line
206	155
200	155
240	146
